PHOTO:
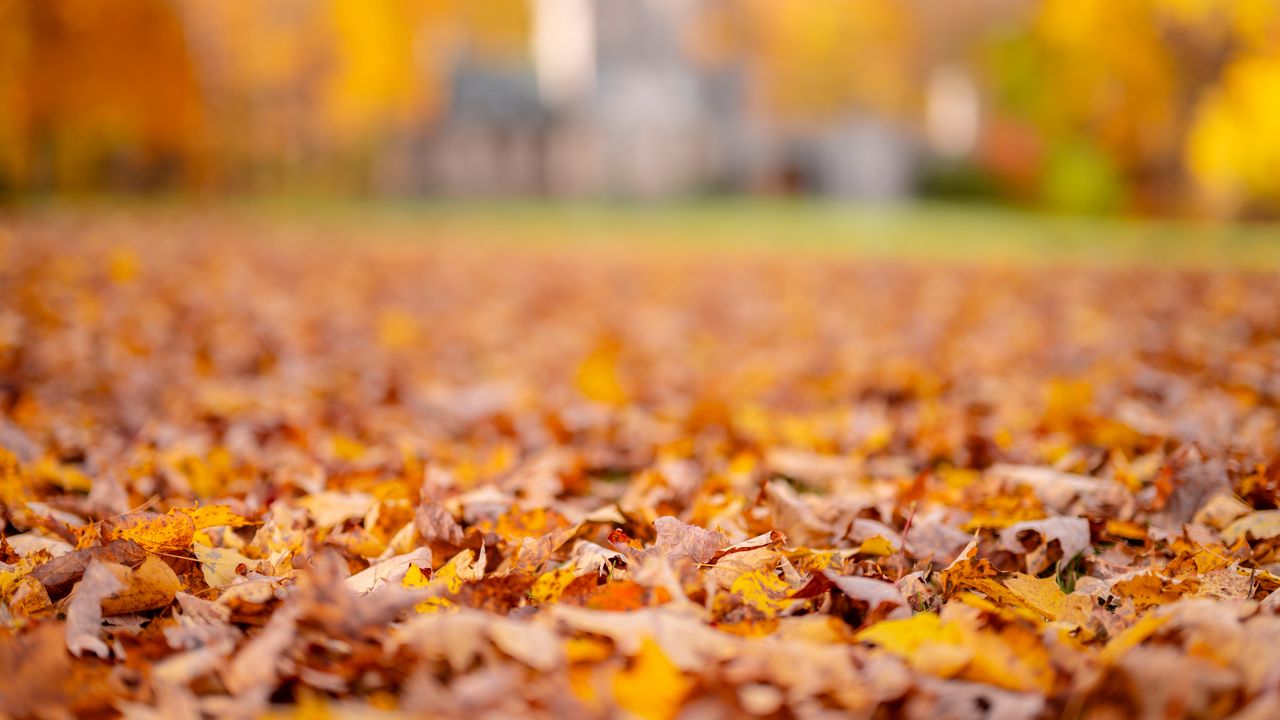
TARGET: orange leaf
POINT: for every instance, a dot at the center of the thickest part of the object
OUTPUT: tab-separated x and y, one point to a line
157	533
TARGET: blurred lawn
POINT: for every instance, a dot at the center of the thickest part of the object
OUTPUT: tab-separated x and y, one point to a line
915	232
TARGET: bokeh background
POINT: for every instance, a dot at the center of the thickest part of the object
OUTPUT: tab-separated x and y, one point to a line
1133	107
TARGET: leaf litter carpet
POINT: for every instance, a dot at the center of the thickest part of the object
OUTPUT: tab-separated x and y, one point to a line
244	477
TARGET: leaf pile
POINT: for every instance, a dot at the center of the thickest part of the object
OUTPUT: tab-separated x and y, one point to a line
245	476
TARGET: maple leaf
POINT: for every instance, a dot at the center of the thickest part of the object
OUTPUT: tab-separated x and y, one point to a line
171	532
207	516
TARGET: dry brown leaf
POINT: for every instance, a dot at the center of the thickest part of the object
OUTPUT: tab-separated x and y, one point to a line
435	523
676	539
84	611
61	573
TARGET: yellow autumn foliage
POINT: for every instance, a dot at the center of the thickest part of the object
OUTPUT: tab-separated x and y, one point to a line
652	687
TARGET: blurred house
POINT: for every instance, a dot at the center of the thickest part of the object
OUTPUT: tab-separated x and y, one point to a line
617	106
492	141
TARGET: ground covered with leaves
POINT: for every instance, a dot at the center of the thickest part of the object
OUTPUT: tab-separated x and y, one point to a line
245	475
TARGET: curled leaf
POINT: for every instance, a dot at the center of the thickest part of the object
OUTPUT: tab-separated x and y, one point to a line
84	612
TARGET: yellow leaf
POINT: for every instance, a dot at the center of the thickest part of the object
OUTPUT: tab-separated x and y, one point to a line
586	649
1126	529
1207	561
347	448
208	516
1012	659
1261	525
762	590
415	578
66	477
448	574
1008	508
447	579
517	523
905	637
13	488
549	586
1066	400
122	265
653	687
597	377
9	579
1011	613
435	604
582	685
876	545
1132	636
1039	594
396	329
220	565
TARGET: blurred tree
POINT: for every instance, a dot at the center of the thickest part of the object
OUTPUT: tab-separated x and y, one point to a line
812	61
316	92
390	56
15	115
136	93
96	93
1135	103
1234	146
376	79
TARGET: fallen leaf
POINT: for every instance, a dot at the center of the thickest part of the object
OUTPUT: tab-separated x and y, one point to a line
1260	525
221	566
598	377
1041	595
151	585
84	612
884	599
392	570
435	523
61	573
1071	534
764	591
460	637
331	508
652	687
676	539
156	533
207	516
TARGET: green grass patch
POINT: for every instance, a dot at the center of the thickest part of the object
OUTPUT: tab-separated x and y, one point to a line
920	232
